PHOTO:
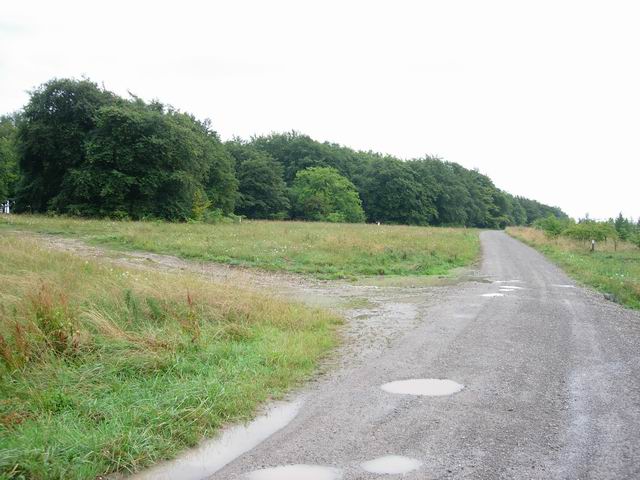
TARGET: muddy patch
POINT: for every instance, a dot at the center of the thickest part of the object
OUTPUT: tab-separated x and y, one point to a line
296	472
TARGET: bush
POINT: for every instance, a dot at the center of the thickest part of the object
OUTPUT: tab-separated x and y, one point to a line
551	225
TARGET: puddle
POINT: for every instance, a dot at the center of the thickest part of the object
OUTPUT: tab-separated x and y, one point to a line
564	286
296	472
507	288
214	454
492	295
433	387
391	465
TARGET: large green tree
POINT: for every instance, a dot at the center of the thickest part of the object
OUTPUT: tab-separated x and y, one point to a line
55	126
146	160
321	193
86	151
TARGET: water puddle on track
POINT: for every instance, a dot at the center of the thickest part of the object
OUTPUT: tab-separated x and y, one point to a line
432	387
296	472
214	454
391	465
492	295
564	286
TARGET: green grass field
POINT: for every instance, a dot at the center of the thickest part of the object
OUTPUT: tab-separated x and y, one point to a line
104	369
325	250
611	269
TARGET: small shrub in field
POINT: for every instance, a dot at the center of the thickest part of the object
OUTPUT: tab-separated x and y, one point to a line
551	225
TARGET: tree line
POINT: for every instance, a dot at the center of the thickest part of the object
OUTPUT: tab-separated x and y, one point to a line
78	149
586	229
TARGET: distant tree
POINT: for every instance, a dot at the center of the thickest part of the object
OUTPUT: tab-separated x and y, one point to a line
624	227
262	192
8	157
321	193
552	225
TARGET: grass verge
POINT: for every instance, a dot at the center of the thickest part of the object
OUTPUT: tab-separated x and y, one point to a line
611	269
104	369
325	250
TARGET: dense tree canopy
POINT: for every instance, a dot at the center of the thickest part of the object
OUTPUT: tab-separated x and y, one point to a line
56	124
79	149
87	152
421	191
392	193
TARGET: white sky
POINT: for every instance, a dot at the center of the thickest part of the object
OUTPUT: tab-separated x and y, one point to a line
543	96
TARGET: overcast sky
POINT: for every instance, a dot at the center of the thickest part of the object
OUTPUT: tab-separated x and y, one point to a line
542	96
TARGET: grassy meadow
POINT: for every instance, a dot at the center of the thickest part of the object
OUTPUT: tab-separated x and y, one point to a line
324	250
104	369
612	269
